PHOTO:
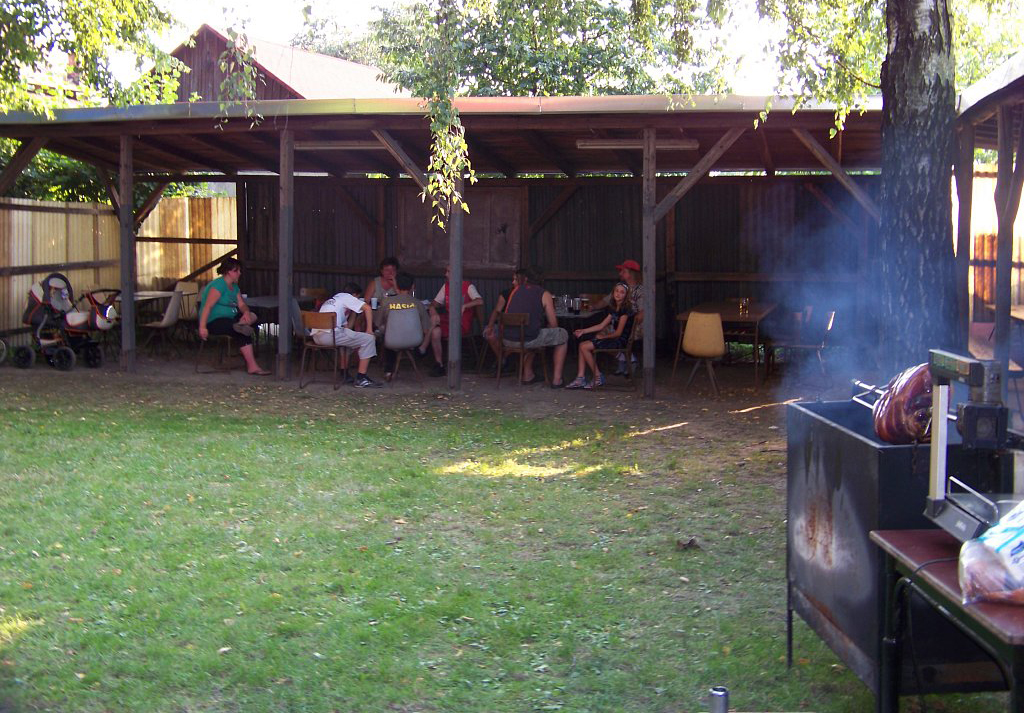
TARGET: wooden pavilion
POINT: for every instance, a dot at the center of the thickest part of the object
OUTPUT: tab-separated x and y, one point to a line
360	164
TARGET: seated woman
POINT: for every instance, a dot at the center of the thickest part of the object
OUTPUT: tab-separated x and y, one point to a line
611	332
470	299
384	284
223	311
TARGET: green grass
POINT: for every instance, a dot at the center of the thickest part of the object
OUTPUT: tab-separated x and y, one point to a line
261	553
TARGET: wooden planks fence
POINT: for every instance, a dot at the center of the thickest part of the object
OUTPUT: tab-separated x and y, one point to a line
81	241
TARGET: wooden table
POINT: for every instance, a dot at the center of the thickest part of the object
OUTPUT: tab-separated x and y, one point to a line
750	318
924	562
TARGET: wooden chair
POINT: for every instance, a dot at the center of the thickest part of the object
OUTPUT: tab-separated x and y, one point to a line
224	341
703	340
518	321
626	351
317	294
318	320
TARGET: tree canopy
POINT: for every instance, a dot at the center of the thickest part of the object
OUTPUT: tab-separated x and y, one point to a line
88	33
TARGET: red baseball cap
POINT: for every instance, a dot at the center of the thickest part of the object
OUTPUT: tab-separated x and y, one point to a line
629	265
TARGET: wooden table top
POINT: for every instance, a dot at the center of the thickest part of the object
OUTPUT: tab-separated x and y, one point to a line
914	548
730	311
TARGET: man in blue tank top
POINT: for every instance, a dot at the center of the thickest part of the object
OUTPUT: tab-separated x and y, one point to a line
541	330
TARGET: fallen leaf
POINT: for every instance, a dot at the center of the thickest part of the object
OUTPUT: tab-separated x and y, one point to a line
223	649
690	544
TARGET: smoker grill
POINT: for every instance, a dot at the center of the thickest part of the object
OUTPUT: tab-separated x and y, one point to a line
842	483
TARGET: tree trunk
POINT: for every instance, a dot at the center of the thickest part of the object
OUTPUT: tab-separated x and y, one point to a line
918	289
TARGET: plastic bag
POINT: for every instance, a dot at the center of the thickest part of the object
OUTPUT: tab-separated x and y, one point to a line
903	414
992	565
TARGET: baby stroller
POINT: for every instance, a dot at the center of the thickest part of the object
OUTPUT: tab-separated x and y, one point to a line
60	330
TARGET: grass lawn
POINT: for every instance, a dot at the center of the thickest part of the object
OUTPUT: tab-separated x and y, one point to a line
256	548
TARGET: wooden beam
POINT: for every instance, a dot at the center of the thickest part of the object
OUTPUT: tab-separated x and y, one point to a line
698	172
822	154
128	269
254	158
761	135
402	157
55	267
286	254
108	184
1004	242
25	153
149	204
634	162
476	149
964	174
648	255
552	210
186	241
177	152
360	212
213	263
547	151
614	144
829	205
359	145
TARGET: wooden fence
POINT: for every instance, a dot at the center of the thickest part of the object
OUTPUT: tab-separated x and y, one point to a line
81	240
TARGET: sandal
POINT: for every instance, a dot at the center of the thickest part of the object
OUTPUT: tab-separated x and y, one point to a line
578	383
261	372
595	382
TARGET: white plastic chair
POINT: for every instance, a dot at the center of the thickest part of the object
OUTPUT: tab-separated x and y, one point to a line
165	326
704	340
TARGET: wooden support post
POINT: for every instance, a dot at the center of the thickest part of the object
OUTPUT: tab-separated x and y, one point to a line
150	203
649	266
965	193
128	269
402	156
455	225
286	235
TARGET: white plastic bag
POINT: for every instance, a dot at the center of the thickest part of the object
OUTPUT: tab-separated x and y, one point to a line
992	565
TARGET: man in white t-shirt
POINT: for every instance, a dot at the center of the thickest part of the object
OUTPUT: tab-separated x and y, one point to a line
344	304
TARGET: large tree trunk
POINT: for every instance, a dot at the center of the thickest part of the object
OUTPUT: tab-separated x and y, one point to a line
917	290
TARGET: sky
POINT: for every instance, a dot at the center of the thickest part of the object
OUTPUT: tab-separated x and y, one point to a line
280	20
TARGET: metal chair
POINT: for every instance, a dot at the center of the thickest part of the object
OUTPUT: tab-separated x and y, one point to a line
518	321
812	336
318	320
704	340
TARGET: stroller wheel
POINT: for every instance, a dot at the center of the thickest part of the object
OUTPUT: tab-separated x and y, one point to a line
3	351
63	359
93	356
23	357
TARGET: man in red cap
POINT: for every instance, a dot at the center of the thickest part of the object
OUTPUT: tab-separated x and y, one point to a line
630	273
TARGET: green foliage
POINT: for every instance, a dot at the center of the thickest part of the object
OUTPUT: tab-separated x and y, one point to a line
33	33
323	36
534	48
241	76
